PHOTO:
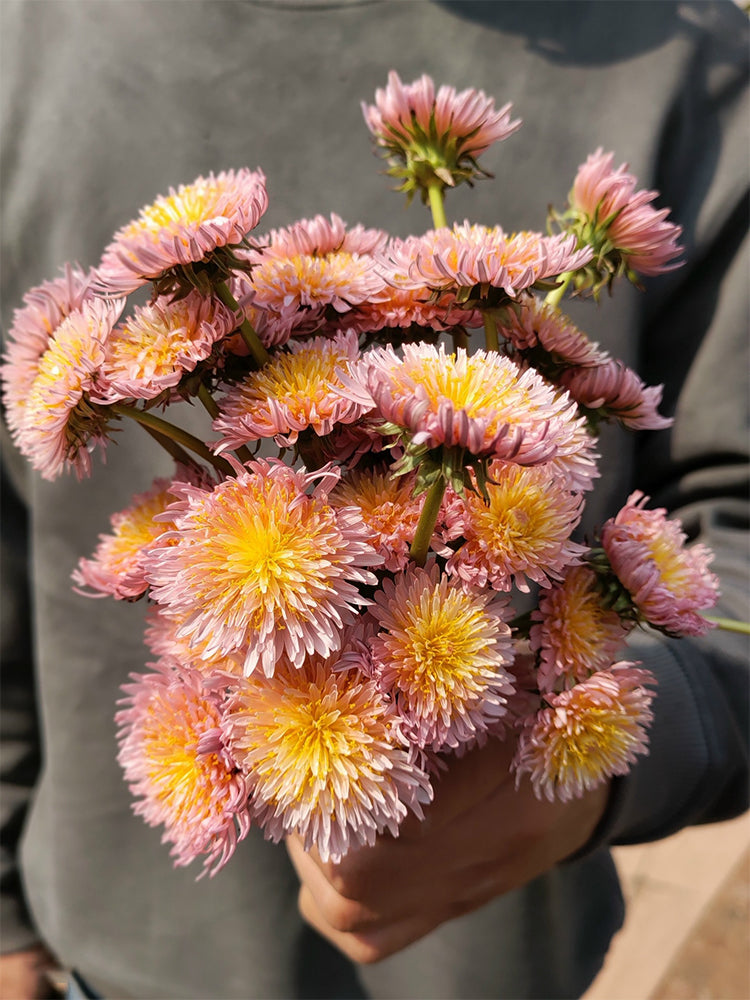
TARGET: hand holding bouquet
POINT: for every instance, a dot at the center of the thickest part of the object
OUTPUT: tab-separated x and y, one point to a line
371	562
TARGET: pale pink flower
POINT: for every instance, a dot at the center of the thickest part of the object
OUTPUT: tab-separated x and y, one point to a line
534	324
475	259
669	582
401	303
296	389
483	402
323	756
61	424
34	325
161	342
263	565
427	134
520	533
178	766
620	222
573	632
587	734
389	508
441	652
116	567
617	392
163	637
576	464
183	228
311	267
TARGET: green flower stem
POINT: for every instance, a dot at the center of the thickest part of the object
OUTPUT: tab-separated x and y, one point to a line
555	296
182	437
177	452
437	204
208	401
427	521
212	409
459	339
251	338
729	624
490	332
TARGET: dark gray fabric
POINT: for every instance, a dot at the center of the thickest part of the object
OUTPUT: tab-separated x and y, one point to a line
106	104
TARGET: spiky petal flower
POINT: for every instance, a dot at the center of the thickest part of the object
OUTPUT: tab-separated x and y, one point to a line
183	228
323	756
430	136
483	402
628	235
587	734
573	632
548	338
263	565
313	267
614	391
162	636
297	389
441	652
522	531
472	260
178	766
34	324
669	582
389	508
60	423
117	566
161	342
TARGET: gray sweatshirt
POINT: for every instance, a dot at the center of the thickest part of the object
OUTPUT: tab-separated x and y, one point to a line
106	103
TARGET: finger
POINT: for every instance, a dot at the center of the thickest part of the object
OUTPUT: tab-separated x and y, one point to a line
365	947
469	779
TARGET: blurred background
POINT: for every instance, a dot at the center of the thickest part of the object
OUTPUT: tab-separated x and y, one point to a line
687	929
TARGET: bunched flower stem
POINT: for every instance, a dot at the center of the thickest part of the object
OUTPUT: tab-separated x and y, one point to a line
251	338
212	409
729	624
420	546
151	422
437	204
555	296
177	452
491	340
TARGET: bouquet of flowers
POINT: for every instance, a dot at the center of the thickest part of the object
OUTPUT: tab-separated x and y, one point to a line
334	577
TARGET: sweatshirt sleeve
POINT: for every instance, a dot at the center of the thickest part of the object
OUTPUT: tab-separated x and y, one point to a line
19	746
695	342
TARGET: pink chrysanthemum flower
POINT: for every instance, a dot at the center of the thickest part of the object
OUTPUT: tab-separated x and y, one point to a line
163	637
116	567
388	507
60	424
296	390
184	227
627	234
314	265
577	463
428	136
324	757
521	533
587	734
573	633
669	583
535	324
441	652
34	325
178	766
470	257
483	402
263	565
153	349
616	391
401	304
